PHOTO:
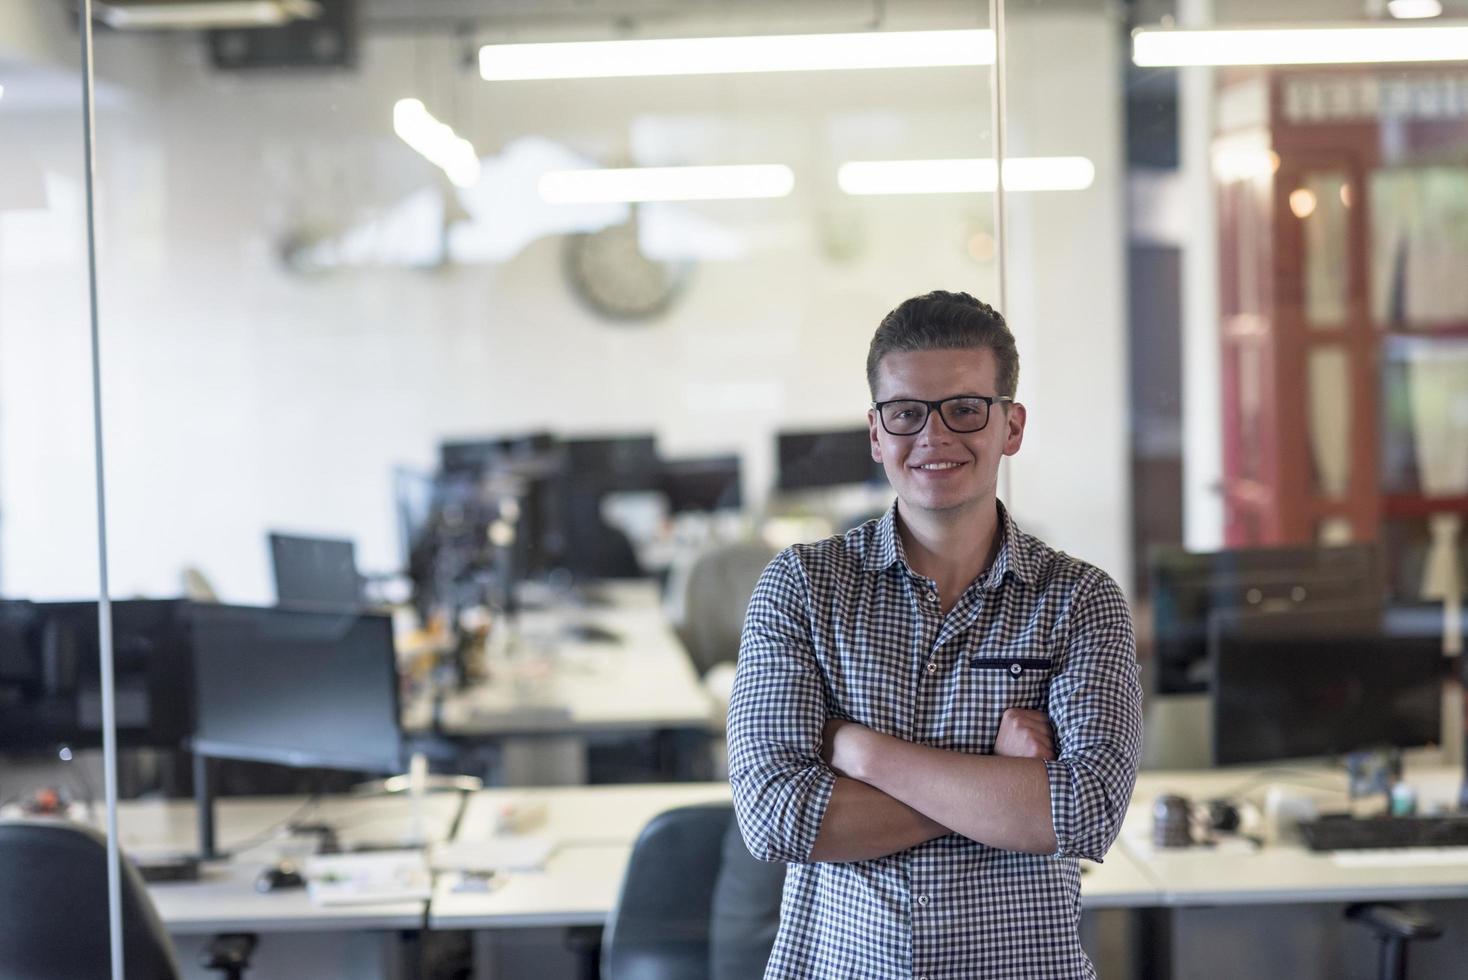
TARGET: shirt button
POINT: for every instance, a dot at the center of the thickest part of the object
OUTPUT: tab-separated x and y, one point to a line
932	597
1016	669
923	900
932	666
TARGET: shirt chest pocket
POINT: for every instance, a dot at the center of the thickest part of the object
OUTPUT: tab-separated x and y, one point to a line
994	684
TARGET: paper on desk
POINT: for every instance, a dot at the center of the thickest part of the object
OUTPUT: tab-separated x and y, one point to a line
496	854
377	876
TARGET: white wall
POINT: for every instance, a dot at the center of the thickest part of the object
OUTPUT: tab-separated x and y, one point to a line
241	397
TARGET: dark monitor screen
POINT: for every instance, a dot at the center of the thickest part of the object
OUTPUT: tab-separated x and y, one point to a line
711	483
315	571
50	675
835	458
473	456
1323	682
1186	587
296	687
612	464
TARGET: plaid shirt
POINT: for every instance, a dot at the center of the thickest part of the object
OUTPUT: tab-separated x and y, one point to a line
844	628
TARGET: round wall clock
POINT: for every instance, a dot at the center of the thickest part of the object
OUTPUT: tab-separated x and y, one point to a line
609	273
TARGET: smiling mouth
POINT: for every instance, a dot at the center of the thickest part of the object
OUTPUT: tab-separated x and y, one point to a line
931	467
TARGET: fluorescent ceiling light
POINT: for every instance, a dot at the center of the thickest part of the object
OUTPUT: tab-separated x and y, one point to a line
200	15
965	176
667	184
1338	45
436	141
1414	9
732	55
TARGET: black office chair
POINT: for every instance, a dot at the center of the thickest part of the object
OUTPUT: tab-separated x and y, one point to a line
53	887
1394	928
673	893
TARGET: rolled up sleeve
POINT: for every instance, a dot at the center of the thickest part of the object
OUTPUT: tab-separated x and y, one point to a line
777	715
1095	705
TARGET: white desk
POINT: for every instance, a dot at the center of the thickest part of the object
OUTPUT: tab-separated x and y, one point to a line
562	685
224	899
1283	873
553	684
596	827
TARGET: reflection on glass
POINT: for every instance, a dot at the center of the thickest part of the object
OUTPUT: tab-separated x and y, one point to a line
1419	242
1330	432
1322	205
1438	391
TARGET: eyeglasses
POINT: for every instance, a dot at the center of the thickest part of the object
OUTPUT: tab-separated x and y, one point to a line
961	413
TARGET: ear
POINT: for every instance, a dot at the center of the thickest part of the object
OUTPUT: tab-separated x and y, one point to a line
872	428
1014	428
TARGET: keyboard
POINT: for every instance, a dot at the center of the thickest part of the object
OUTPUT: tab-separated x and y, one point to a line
1346	833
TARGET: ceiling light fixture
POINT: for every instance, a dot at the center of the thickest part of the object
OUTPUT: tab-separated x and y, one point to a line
1414	9
204	15
734	55
1338	45
437	141
965	176
633	184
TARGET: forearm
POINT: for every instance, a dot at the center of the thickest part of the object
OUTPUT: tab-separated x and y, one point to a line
999	801
862	822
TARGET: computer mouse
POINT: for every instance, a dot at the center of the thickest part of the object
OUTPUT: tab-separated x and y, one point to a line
590	633
281	875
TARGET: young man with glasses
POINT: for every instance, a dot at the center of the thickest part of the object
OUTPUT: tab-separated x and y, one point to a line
935	715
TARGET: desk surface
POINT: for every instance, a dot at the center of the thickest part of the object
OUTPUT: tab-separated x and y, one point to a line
225	899
1281	873
552	683
596	827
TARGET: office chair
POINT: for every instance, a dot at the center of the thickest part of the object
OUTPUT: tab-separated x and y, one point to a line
1394	928
719	586
674	902
53	886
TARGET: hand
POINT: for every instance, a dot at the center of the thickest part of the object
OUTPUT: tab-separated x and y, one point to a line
841	746
1025	734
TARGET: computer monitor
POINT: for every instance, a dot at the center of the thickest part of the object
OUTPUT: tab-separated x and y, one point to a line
305	688
612	464
1185	587
1320	682
709	483
834	458
50	675
474	456
315	571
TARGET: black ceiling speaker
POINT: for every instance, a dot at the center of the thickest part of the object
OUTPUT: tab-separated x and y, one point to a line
328	40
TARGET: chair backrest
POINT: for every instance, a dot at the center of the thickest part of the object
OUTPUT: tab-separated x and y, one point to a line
659	929
53	890
746	914
719	586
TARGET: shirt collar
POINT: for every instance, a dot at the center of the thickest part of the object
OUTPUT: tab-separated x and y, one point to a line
1015	554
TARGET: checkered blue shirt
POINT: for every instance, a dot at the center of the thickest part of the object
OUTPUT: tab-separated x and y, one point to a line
844	628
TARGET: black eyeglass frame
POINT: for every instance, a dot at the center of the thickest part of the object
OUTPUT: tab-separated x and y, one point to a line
937	406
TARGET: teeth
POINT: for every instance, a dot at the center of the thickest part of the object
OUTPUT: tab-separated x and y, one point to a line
938	466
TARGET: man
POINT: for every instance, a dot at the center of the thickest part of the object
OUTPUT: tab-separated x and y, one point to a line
890	729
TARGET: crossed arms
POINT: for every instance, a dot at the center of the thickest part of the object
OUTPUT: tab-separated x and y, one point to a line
810	789
890	795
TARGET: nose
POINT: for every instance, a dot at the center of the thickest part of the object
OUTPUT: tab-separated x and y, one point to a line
936	430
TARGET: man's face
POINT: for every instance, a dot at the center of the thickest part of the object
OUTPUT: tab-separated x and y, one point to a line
938	470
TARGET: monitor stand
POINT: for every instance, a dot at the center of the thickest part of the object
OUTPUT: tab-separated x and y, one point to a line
204	804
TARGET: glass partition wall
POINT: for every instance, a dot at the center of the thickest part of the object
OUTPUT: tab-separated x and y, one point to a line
51	723
401	318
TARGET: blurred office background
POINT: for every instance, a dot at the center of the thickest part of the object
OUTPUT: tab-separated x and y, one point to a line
364	344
